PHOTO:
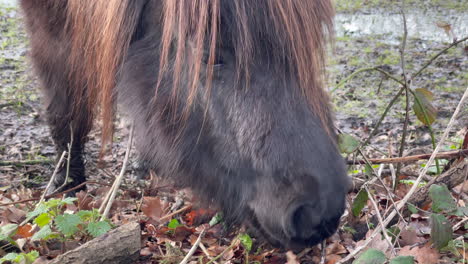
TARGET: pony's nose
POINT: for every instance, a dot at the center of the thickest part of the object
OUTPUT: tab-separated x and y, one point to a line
303	221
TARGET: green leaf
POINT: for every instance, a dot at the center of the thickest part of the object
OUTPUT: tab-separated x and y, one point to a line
423	107
30	257
217	218
461	211
412	208
173	224
43	234
23	258
368	170
451	247
67	224
7	231
40	209
359	202
371	256
347	143
402	260
246	241
9	257
43	219
441	231
69	200
99	228
442	201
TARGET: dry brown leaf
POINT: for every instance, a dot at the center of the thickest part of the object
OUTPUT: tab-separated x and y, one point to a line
14	215
24	231
336	248
152	207
332	259
378	242
423	254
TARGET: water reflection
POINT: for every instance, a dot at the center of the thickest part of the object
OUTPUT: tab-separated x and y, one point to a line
420	25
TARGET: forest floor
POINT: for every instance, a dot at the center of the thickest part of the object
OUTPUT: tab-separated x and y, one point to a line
27	152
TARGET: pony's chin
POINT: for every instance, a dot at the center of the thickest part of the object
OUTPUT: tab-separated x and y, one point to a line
281	240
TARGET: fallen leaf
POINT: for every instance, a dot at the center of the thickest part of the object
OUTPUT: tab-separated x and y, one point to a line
152	207
423	254
336	248
332	259
24	231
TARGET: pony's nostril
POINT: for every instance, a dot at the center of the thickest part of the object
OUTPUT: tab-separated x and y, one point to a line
303	222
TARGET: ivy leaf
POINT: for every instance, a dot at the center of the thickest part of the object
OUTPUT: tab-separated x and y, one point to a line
99	228
43	219
359	202
422	106
67	224
403	260
347	143
246	241
441	231
442	201
371	256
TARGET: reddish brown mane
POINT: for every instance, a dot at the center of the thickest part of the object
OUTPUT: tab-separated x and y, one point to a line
101	33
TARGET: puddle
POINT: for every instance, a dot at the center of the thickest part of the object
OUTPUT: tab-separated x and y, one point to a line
421	24
8	2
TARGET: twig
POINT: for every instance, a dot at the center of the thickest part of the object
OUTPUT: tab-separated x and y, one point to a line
233	243
376	127
52	178
67	172
436	56
205	251
323	257
443	155
379	178
194	248
457	225
52	195
423	171
379	217
19	163
352	75
169	216
462	187
118	180
405	85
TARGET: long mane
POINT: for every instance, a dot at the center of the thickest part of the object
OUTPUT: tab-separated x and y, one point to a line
293	32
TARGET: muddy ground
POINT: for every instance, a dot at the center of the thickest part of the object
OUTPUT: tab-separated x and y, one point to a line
359	103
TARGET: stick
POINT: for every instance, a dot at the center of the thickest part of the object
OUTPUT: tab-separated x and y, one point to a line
379	217
57	167
442	155
118	180
194	248
52	195
169	216
423	171
19	163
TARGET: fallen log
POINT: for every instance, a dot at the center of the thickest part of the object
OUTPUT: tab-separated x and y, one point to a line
120	246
